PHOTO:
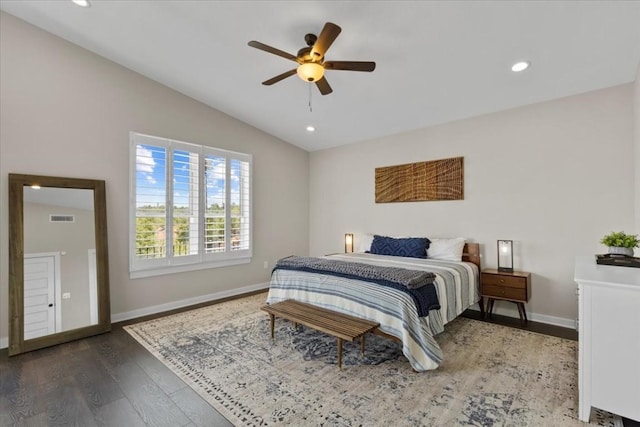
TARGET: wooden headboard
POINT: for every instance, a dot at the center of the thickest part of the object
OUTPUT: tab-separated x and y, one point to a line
471	253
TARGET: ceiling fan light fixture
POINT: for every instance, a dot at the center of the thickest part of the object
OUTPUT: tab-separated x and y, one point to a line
310	60
310	71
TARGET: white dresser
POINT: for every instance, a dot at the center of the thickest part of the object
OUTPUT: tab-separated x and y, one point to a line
609	338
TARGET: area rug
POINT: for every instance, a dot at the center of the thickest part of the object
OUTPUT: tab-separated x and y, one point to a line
492	375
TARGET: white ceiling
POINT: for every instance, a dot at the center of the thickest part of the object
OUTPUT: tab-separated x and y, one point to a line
437	61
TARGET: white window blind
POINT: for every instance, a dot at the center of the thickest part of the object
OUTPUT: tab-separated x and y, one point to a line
239	205
215	211
190	206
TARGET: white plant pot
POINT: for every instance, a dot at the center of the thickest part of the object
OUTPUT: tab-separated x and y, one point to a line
615	250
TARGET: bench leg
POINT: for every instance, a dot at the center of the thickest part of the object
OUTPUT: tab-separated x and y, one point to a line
362	345
272	320
339	353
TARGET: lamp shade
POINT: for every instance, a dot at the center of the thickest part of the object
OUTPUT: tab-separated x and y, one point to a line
310	71
348	243
505	255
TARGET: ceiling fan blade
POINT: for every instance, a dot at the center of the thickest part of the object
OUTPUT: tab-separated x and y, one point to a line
279	77
323	86
350	65
273	50
327	36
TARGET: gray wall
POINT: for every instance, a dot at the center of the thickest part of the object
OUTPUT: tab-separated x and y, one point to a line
539	174
554	177
68	112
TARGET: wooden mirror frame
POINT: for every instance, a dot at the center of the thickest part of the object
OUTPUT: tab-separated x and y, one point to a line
17	182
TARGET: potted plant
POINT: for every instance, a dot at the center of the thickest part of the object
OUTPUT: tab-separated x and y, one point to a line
620	243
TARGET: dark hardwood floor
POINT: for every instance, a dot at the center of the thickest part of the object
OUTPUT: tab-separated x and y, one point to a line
542	328
111	380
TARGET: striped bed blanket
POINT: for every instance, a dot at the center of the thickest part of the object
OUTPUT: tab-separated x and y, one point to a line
418	284
456	284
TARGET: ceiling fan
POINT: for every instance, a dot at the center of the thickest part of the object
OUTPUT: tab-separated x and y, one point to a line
311	61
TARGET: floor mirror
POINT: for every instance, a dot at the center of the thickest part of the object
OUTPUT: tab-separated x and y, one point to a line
58	261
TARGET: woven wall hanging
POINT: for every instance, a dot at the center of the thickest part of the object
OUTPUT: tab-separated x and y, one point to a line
423	181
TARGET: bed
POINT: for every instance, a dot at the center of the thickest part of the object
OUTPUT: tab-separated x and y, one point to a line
456	283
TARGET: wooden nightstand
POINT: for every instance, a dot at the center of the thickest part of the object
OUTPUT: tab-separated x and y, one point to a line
514	287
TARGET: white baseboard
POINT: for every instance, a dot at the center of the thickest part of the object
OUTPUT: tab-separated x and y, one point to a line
119	317
542	318
553	320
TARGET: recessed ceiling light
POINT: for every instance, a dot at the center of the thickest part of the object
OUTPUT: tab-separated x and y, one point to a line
82	3
310	129
520	66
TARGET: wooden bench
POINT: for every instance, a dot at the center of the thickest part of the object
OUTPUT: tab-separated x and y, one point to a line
341	326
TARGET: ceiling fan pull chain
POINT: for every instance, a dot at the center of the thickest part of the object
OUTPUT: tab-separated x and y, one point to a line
310	94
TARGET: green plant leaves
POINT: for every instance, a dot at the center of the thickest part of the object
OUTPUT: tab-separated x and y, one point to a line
621	240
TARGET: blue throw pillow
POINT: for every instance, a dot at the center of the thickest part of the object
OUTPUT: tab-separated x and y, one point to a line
413	247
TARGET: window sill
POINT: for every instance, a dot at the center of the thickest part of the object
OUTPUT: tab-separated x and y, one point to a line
159	271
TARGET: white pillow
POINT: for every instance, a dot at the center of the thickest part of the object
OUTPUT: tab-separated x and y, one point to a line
446	249
363	242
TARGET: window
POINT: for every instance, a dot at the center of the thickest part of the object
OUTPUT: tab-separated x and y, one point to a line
190	207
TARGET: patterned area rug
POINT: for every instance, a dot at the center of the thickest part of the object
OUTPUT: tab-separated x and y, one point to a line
491	375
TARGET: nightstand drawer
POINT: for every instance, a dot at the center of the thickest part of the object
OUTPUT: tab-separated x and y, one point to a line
506	281
506	292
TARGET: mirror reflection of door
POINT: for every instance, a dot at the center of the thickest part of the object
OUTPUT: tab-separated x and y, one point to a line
41	311
59	225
